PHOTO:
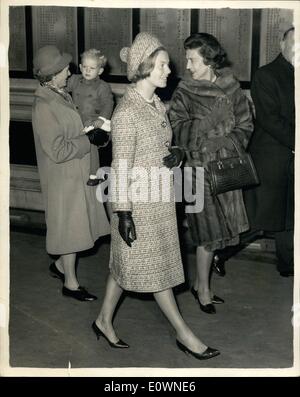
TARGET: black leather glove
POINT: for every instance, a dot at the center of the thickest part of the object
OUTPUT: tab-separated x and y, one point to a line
174	158
126	227
98	137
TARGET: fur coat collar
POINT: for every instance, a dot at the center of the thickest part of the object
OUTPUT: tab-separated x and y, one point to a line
226	84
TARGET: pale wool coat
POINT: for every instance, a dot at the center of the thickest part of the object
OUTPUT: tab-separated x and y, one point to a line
75	218
141	135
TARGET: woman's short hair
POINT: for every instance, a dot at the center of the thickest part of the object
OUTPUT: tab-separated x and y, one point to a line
145	68
209	48
95	54
291	29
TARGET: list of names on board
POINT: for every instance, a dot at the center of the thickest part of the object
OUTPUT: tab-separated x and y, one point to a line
274	22
109	30
17	39
172	27
57	26
233	29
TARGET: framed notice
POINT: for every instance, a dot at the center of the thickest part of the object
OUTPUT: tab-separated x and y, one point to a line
274	22
57	26
17	39
109	30
172	27
233	29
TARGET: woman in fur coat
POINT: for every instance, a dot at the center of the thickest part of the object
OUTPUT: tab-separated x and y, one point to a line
208	112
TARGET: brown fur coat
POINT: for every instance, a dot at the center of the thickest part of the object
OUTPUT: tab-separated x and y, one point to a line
201	111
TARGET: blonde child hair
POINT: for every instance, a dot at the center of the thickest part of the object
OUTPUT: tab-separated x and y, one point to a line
95	54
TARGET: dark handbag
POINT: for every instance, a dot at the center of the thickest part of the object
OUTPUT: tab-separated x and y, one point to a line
232	173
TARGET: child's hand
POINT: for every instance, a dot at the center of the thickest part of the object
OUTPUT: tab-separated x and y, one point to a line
88	128
98	123
106	124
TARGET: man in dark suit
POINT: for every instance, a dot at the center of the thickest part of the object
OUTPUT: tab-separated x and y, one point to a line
270	206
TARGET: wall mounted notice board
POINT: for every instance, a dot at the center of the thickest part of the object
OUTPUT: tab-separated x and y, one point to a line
250	37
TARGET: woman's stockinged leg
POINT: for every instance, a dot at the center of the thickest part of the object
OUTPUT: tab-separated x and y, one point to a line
68	264
104	320
166	301
203	264
59	264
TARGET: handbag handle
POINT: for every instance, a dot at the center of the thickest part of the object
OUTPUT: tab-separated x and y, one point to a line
239	152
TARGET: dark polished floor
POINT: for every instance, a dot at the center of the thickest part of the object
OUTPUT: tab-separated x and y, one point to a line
252	329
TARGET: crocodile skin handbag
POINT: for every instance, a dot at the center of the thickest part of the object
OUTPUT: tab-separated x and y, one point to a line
232	173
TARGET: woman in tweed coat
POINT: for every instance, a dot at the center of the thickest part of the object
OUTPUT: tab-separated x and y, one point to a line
145	254
208	111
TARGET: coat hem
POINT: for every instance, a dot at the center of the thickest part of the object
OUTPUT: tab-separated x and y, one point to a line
221	242
144	290
59	252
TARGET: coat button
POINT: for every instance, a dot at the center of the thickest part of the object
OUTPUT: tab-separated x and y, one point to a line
164	124
167	144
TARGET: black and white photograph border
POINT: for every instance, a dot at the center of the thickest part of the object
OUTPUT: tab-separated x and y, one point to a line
44	333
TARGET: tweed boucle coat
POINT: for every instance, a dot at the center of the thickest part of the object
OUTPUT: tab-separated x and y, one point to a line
74	217
201	111
141	135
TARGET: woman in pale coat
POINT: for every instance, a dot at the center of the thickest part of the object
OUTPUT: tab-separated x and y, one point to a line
145	255
74	217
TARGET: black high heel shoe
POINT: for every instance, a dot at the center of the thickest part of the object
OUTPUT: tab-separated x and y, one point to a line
208	353
119	345
217	300
56	273
218	266
80	294
209	308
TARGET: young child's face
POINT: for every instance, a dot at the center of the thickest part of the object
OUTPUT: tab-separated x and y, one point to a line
90	68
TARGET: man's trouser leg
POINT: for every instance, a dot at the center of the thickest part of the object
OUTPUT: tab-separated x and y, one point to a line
284	242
